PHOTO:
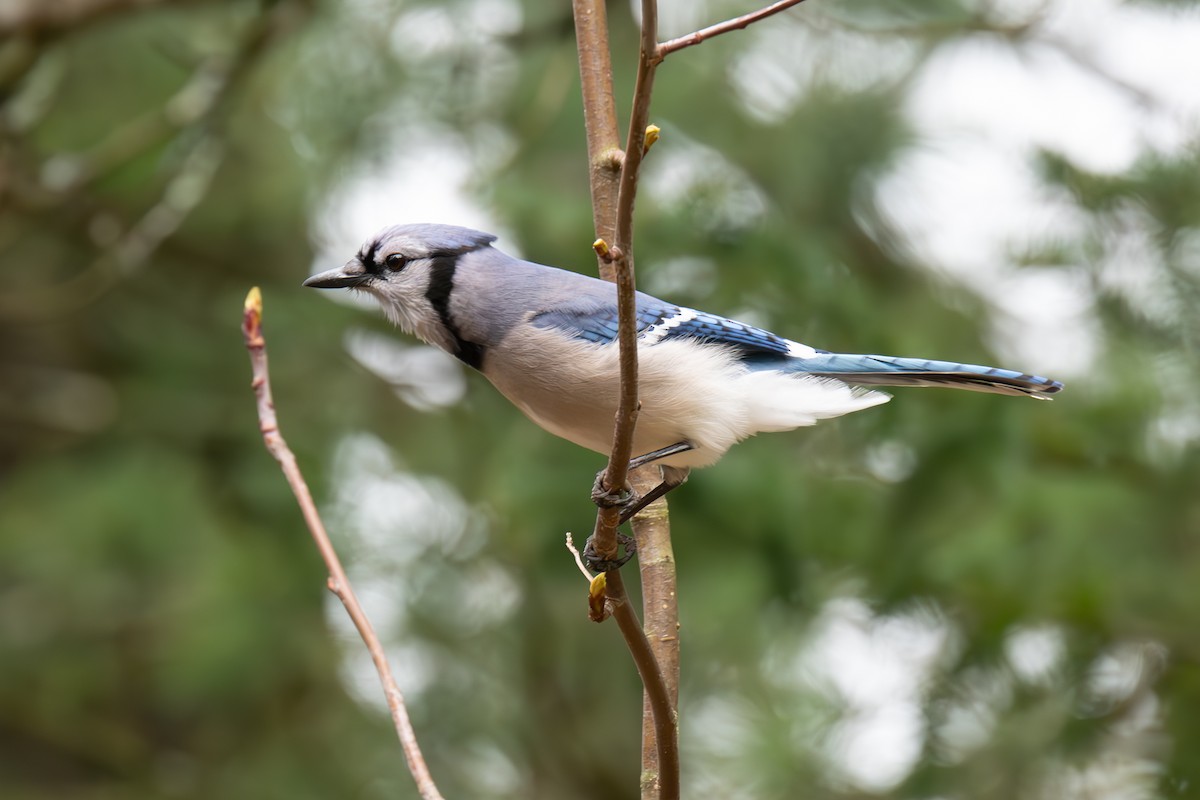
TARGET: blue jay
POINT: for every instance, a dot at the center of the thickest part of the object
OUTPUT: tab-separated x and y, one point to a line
546	338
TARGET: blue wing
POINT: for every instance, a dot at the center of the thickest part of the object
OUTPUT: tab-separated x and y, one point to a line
598	322
686	323
659	322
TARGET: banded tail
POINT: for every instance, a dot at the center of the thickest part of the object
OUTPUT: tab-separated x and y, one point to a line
872	370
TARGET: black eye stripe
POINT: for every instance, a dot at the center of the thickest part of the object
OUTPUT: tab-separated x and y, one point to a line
369	258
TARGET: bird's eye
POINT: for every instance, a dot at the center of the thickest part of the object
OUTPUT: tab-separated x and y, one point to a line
395	262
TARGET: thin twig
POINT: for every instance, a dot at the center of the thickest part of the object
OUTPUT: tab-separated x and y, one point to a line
338	583
735	24
578	558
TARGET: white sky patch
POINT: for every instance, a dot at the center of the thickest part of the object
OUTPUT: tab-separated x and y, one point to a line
1045	322
1177	428
422	376
1148	47
1172	434
393	514
728	714
679	17
787	56
1124	669
1130	247
688	174
390	520
1035	653
413	665
891	460
878	667
968	206
875	749
430	30
423	32
1115	776
492	771
1031	96
1120	683
967	722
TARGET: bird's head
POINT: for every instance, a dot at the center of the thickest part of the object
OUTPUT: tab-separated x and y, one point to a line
409	269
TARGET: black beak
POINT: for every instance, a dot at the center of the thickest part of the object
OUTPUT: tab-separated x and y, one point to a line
349	276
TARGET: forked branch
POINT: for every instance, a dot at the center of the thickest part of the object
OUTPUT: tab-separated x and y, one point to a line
735	24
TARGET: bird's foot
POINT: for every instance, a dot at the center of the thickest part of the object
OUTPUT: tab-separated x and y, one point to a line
597	564
609	498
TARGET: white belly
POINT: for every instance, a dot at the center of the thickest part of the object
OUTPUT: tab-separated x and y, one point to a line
698	394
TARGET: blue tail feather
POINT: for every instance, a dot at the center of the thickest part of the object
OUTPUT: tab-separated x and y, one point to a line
874	370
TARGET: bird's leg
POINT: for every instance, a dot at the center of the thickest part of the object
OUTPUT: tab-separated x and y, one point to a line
662	452
612	498
672	477
630	504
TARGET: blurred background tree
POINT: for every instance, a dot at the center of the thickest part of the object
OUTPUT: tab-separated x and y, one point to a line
952	596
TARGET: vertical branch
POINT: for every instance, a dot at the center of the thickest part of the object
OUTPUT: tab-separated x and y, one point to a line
599	118
660	609
613	181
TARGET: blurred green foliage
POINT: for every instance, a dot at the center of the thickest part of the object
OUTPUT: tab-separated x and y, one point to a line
1032	568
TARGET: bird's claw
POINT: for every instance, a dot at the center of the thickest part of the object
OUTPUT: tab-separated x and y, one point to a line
608	498
597	564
